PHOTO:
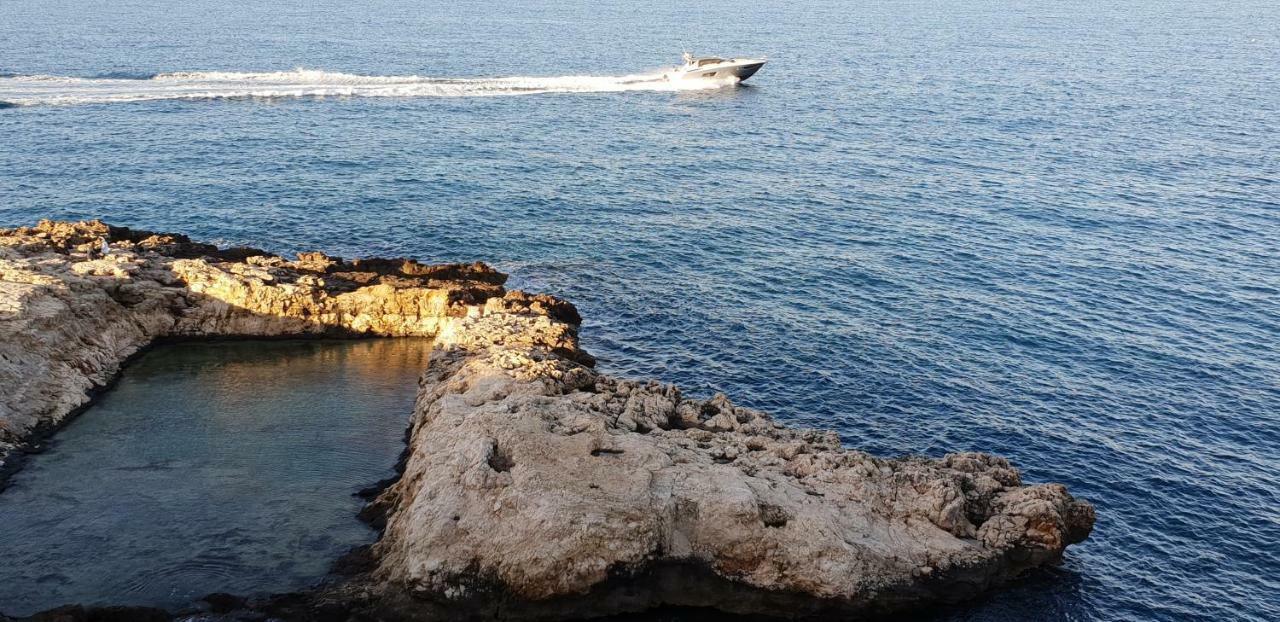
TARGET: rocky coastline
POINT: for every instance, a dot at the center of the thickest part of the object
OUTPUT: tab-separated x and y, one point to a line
532	486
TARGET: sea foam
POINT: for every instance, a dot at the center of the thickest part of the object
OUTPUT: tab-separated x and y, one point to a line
33	90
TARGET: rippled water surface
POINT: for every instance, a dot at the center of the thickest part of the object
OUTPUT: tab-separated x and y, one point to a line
218	467
1047	230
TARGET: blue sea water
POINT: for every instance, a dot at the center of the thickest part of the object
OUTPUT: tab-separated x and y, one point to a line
1046	230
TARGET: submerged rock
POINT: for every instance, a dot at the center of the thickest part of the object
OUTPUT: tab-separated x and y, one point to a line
533	486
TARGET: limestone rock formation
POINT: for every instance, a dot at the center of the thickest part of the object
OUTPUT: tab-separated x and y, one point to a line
534	486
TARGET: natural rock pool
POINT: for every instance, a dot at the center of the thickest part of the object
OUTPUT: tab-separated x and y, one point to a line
210	467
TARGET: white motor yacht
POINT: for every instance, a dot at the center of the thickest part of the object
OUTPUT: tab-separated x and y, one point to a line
716	68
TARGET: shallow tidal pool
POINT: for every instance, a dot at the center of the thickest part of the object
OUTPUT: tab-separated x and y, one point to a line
210	467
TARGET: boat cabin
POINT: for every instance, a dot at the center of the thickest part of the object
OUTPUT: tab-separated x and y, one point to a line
701	62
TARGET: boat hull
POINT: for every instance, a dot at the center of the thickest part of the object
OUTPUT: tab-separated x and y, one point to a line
741	71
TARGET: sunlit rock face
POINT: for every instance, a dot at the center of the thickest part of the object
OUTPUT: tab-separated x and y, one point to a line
534	486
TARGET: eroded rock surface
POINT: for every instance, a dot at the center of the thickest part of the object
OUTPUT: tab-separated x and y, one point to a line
533	486
536	486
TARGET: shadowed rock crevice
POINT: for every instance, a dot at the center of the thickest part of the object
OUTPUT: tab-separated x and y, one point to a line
499	461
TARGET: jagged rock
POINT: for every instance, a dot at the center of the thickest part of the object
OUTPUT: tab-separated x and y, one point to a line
537	487
533	486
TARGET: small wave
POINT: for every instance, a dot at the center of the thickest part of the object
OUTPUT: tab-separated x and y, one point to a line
123	75
5	104
197	85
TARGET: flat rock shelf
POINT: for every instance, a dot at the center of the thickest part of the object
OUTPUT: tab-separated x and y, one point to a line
532	485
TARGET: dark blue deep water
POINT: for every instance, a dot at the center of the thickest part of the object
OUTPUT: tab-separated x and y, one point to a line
1046	230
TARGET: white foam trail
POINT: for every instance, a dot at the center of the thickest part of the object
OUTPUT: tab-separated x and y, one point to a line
58	90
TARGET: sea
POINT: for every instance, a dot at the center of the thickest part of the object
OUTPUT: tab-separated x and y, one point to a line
1046	230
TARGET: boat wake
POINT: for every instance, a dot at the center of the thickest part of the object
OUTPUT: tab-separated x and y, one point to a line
56	90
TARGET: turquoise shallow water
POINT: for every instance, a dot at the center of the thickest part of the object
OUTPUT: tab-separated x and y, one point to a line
210	467
1043	230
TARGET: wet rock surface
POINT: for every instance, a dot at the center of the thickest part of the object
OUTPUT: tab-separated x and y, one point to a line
533	486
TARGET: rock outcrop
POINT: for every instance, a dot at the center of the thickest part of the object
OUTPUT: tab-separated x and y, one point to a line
534	486
72	314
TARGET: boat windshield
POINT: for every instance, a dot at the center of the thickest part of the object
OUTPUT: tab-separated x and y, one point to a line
703	62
